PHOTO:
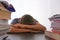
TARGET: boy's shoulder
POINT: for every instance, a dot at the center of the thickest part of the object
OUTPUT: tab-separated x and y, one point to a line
14	21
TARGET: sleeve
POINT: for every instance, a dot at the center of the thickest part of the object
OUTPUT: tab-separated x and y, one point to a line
14	21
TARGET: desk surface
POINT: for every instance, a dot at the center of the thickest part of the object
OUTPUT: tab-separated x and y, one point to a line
27	36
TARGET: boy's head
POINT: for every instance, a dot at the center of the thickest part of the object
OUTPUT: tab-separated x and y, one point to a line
27	19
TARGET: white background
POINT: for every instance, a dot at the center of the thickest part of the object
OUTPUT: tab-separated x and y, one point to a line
41	10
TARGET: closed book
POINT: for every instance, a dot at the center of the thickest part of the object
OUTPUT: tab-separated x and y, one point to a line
4	25
56	30
8	6
55	25
3	22
53	35
5	15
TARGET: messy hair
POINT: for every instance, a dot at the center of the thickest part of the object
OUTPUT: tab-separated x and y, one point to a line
27	19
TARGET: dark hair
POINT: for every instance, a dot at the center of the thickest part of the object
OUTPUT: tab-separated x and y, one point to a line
27	19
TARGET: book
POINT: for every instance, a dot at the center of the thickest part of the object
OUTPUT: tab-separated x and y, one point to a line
53	35
4	13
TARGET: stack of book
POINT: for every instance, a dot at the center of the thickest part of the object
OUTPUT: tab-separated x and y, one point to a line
5	15
55	25
52	35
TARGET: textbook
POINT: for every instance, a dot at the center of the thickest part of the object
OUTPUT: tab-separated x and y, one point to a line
53	35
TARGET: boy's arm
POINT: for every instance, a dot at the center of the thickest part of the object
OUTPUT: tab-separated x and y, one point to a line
38	26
